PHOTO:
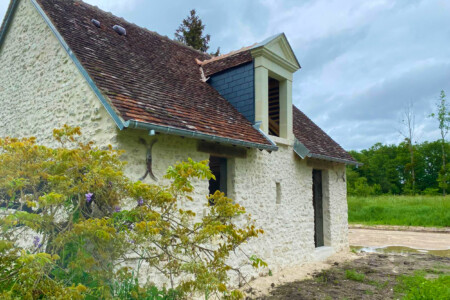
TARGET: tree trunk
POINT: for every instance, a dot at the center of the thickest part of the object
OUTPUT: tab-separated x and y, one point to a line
443	166
413	173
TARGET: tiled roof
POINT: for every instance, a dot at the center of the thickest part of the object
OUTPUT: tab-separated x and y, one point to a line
147	77
316	140
227	61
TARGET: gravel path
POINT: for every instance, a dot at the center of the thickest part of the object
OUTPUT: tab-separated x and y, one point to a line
411	239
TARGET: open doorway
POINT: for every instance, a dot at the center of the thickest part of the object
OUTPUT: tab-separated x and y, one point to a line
318	208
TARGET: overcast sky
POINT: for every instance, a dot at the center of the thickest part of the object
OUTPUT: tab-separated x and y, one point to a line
362	61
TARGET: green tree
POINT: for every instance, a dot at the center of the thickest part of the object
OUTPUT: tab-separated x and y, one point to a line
71	223
387	166
442	115
429	163
190	33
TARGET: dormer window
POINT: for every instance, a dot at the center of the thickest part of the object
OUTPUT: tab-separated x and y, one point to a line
259	88
274	64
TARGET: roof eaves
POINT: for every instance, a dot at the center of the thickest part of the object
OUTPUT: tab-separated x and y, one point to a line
197	135
7	20
334	159
119	122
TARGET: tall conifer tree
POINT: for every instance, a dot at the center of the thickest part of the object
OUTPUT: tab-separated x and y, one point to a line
190	33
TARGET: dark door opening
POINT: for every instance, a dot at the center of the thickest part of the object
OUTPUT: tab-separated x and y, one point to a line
318	208
218	166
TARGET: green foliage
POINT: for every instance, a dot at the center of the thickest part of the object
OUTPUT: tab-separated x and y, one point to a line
400	210
430	192
358	186
190	33
417	287
127	287
386	169
64	234
355	276
442	115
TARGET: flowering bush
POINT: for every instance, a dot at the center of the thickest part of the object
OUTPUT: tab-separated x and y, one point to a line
71	223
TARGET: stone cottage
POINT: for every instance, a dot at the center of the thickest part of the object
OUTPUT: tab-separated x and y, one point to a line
67	62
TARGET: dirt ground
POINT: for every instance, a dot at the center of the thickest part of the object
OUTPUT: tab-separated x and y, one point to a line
378	282
393	252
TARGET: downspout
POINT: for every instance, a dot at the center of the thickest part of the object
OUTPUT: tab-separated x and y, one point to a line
152	128
257	126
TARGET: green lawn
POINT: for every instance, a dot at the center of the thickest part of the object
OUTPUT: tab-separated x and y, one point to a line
400	210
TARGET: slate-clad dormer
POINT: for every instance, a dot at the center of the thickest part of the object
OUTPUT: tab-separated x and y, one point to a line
257	81
237	85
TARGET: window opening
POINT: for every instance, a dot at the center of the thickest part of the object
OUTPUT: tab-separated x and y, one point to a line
274	107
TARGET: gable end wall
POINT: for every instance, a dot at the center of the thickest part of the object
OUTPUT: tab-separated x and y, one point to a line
41	88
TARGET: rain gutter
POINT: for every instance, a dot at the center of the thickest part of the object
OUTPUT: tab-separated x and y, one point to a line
339	160
196	135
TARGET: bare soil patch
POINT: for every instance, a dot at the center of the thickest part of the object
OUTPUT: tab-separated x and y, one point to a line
370	276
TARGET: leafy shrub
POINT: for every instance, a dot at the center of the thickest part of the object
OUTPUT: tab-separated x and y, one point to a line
64	232
360	187
430	191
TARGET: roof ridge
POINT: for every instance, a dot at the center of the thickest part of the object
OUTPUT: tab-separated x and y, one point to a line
144	28
216	58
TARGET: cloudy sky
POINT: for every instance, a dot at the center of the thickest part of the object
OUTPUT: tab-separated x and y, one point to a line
362	61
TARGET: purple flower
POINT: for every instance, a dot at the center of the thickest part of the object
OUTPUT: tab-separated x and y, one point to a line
140	201
117	208
89	197
36	242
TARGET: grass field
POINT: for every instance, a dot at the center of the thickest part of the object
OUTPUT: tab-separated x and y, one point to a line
400	210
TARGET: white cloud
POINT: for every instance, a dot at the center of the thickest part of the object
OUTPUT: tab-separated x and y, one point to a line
318	19
116	6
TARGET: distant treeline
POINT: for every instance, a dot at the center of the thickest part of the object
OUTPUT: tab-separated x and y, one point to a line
388	169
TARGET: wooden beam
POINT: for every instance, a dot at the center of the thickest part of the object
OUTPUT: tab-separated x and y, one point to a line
319	164
221	150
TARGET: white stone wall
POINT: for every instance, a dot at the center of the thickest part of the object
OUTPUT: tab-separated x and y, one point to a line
41	89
